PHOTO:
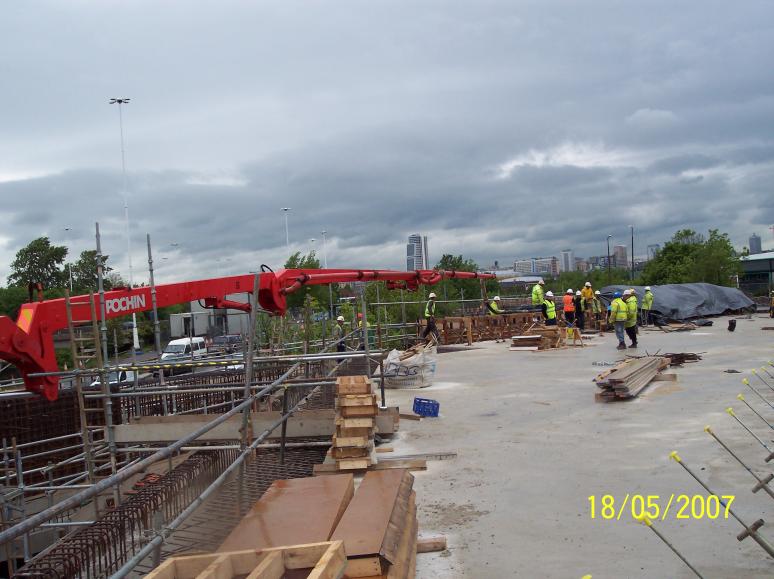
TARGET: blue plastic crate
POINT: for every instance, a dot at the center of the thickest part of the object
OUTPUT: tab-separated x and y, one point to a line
426	407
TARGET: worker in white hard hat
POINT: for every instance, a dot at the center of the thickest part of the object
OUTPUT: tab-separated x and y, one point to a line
493	309
430	318
646	315
596	307
549	309
630	326
568	306
580	314
338	334
537	293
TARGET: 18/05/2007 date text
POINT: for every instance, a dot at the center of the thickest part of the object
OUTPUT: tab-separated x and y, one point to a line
657	507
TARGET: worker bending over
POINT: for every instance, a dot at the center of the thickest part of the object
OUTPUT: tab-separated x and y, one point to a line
493	309
618	316
430	317
549	309
631	316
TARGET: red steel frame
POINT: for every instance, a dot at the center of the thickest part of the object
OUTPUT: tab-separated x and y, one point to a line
28	343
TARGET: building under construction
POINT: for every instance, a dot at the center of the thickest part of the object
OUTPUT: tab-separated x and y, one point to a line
549	455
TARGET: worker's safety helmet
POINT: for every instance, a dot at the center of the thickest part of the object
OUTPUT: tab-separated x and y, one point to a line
359	314
577	293
587	284
617	295
551	294
627	292
647	288
541	282
432	295
569	291
596	293
496	298
340	319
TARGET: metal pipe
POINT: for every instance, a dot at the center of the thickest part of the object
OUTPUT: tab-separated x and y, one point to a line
755	373
762	483
249	363
127	568
203	390
746	382
758	414
733	415
749	530
646	521
101	291
76	500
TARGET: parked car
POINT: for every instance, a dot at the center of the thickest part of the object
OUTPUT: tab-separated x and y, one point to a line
123	377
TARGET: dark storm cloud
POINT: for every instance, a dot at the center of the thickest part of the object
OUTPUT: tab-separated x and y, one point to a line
499	129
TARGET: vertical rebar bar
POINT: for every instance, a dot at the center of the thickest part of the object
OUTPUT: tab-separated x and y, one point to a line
283	436
249	362
101	290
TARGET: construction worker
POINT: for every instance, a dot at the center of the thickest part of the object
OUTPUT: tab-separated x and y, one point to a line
338	334
537	293
588	295
580	314
631	316
549	309
568	305
596	307
647	305
493	309
430	317
771	306
618	315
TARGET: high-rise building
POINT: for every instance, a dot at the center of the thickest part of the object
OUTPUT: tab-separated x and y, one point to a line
653	249
568	260
415	252
548	265
620	258
523	266
755	244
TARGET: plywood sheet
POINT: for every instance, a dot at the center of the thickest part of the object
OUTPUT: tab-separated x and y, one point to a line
293	512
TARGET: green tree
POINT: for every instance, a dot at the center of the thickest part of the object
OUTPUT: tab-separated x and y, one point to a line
320	293
84	272
39	262
454	289
689	257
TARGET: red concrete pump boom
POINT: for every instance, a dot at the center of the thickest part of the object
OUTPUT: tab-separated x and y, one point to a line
28	343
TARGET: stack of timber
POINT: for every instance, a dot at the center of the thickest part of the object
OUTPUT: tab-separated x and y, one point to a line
379	528
626	380
678	327
538	338
356	411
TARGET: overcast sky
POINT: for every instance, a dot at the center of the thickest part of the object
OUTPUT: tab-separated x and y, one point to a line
500	129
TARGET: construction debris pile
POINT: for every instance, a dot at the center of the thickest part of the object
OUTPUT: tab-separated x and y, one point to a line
629	378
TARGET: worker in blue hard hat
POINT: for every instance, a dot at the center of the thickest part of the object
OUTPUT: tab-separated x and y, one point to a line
618	316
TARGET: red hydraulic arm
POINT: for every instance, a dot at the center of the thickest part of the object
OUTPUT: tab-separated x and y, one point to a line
28	343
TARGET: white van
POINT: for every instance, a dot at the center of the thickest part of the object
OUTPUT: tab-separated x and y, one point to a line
180	350
122	378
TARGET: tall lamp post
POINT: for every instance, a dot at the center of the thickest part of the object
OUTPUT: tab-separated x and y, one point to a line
287	235
70	268
325	265
120	102
632	273
609	237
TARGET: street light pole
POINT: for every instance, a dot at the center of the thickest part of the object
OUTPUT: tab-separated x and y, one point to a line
120	102
287	235
325	264
608	258
632	274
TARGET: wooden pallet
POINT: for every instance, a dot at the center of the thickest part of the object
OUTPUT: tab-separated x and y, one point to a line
356	411
322	560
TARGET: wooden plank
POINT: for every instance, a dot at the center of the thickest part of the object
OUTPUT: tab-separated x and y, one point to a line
291	512
408	537
357	400
383	464
366	522
272	567
354	422
332	564
352	464
350	441
359	411
431	544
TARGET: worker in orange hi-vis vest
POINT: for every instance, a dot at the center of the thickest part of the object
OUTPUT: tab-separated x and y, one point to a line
568	303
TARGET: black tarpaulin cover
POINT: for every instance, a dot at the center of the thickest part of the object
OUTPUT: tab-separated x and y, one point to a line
682	301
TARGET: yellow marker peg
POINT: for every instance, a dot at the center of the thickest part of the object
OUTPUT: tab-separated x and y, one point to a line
707	429
754	371
586	577
745	381
730	411
674	456
740	397
644	520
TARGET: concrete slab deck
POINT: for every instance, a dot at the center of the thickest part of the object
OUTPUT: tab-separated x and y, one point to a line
533	445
